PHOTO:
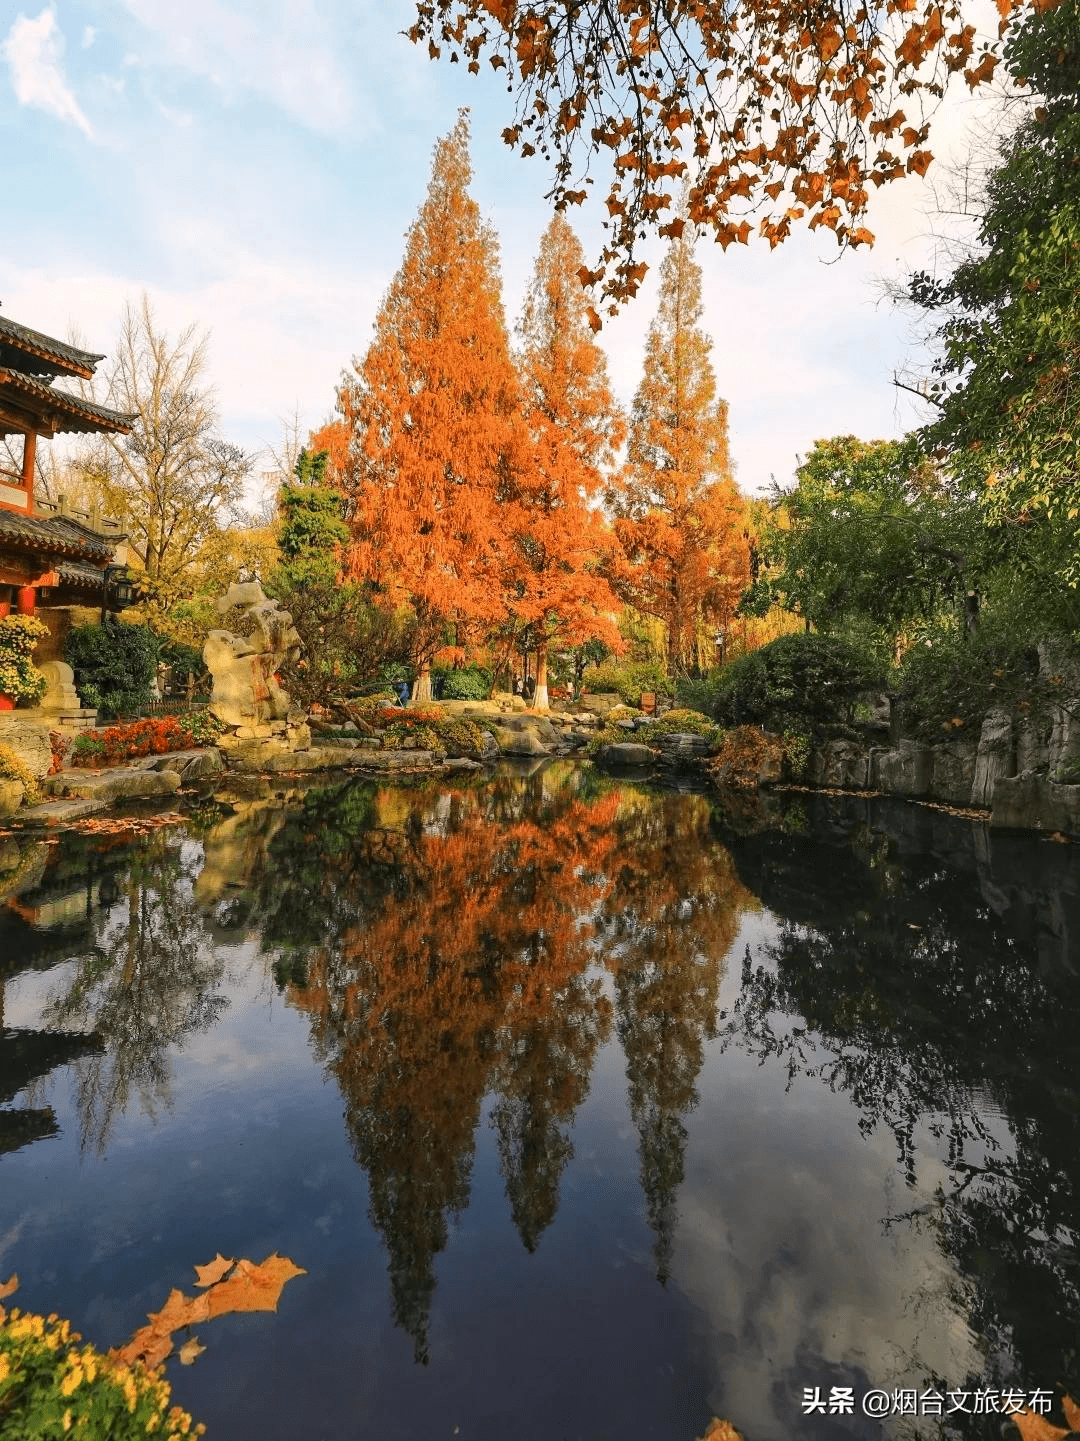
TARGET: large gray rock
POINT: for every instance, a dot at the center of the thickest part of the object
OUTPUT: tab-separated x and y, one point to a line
952	772
996	757
840	765
682	748
525	742
193	765
538	723
902	772
1033	735
28	741
116	785
489	749
599	702
11	795
1033	802
626	753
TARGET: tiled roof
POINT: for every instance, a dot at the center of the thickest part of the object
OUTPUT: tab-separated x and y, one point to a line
83	577
37	354
85	415
58	536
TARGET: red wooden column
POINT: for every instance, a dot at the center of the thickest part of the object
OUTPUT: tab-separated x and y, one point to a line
26	599
29	451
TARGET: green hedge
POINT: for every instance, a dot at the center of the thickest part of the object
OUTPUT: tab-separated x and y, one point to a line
630	680
462	683
799	681
114	664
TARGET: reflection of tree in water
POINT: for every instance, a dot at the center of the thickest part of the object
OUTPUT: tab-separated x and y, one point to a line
542	1079
670	921
917	1001
151	981
463	968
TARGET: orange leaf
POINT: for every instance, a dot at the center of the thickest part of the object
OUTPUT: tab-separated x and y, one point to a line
252	1287
213	1271
189	1351
9	1287
1036	1428
1072	1412
718	1430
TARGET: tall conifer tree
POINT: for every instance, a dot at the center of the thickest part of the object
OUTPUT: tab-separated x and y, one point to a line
431	412
574	428
679	512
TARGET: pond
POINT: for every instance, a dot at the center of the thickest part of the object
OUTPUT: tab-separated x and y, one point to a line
590	1111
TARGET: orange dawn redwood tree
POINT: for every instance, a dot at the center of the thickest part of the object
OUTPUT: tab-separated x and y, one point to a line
431	411
574	427
679	515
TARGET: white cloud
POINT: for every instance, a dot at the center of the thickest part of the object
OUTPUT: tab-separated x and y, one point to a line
283	52
32	50
88	36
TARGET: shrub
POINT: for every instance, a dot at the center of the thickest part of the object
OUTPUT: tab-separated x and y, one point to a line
19	677
114	664
679	722
464	683
418	715
629	680
949	681
459	737
50	1386
59	744
13	769
420	737
742	754
801	681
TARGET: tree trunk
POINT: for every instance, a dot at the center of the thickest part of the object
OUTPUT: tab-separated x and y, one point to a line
421	691
540	696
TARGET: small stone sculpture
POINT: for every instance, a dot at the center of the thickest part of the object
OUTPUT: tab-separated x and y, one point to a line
247	694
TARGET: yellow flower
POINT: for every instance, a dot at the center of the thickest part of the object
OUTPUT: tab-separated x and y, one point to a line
5	1367
67	1420
72	1381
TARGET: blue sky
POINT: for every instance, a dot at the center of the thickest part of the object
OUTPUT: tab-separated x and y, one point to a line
254	167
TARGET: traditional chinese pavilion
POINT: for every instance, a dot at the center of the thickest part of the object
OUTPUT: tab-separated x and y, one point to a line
48	553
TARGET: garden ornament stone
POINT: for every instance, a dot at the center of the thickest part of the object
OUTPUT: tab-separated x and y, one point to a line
245	662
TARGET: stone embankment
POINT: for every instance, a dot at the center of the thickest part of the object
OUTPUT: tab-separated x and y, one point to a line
1024	772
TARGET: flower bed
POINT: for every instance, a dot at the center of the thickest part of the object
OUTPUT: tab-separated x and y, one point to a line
158	735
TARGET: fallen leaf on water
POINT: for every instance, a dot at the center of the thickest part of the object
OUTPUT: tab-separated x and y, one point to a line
9	1287
230	1286
252	1288
718	1430
1037	1428
189	1350
1072	1412
214	1270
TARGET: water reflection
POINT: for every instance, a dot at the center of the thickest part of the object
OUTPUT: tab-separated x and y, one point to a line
945	1011
464	950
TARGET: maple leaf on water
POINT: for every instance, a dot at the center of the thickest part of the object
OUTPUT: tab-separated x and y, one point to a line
214	1271
9	1287
718	1430
1033	1427
229	1286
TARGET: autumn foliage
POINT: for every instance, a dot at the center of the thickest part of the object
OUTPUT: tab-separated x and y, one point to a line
773	114
680	518
431	411
573	429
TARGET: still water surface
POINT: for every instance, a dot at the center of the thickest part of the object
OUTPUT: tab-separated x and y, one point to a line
590	1111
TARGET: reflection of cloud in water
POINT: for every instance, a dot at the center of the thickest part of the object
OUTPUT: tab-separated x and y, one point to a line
788	1257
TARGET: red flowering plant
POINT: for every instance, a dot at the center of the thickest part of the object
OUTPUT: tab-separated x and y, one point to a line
157	735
